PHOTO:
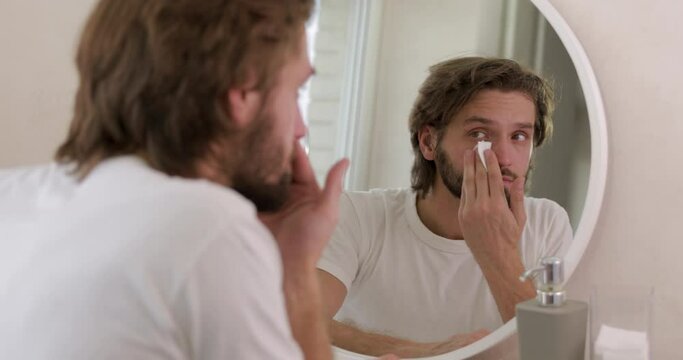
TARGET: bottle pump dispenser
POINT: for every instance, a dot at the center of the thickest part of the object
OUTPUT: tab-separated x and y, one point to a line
550	326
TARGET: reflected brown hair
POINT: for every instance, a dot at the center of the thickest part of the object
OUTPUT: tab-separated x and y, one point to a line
452	83
154	75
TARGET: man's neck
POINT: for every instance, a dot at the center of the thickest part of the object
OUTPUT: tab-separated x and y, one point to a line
438	211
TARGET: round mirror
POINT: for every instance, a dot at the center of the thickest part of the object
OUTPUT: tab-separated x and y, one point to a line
372	56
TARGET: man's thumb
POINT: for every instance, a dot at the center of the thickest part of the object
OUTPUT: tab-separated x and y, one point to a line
333	183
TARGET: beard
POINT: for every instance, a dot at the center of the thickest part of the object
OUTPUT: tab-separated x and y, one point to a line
453	178
259	158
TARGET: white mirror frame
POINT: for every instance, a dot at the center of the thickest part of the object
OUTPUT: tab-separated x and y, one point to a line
596	182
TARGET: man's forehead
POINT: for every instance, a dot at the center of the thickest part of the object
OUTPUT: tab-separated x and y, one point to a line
497	108
297	63
496	121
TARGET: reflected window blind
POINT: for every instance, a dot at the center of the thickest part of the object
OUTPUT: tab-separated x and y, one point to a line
320	99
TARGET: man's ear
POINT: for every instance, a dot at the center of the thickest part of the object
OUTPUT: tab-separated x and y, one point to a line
242	105
427	141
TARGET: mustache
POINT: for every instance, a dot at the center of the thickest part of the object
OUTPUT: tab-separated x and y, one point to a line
509	173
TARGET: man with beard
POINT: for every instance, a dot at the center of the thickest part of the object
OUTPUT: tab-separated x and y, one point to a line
142	240
423	271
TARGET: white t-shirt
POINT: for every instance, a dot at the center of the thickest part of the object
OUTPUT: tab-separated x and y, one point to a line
133	264
404	281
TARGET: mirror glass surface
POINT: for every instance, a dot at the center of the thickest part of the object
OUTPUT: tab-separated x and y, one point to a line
372	56
365	85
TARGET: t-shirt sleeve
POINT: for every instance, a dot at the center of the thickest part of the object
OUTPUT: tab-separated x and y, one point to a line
548	232
560	233
231	306
343	254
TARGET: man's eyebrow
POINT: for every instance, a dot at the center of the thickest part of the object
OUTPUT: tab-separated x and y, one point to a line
478	120
486	121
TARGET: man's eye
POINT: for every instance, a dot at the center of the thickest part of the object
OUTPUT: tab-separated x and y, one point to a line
520	137
478	135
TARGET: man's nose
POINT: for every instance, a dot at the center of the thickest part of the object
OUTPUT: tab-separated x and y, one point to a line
503	151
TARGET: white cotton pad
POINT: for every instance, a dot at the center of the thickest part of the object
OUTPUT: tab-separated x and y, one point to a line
616	343
480	147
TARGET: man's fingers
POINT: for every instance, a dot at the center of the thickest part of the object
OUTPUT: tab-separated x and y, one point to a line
333	184
479	334
465	339
481	178
517	200
476	336
495	177
302	172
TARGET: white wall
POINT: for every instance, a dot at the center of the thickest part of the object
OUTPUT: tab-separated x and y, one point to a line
37	75
635	48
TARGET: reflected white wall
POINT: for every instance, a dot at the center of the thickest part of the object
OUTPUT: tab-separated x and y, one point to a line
414	36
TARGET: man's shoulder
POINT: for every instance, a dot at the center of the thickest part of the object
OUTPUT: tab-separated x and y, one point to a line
379	196
374	203
129	181
133	195
205	196
543	212
179	217
26	188
374	210
538	206
23	179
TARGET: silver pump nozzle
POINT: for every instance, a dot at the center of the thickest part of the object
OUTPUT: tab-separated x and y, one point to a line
549	290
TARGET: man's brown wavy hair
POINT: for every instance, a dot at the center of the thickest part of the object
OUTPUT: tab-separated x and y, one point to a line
154	75
452	83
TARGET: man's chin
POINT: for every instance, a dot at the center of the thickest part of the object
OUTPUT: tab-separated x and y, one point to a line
266	197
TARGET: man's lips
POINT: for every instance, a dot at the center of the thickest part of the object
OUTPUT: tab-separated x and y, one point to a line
508	176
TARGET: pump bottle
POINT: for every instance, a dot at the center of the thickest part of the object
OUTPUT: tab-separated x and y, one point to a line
549	326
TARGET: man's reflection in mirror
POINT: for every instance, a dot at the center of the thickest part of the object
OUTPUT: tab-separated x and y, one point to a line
426	270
